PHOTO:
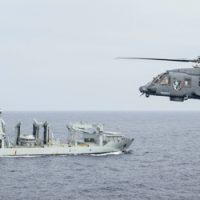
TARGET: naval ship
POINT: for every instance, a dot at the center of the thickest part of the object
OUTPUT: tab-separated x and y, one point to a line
83	138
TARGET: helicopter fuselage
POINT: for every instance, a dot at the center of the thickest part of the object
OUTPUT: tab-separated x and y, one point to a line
178	85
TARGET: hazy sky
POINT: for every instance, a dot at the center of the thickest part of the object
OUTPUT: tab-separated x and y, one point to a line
59	55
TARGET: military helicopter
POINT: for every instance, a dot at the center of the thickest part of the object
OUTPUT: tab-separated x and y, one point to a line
177	84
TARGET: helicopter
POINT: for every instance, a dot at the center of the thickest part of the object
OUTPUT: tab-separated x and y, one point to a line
177	84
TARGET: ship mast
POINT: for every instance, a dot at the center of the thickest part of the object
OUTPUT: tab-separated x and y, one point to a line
2	131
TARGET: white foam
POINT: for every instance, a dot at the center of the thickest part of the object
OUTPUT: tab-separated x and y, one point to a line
107	154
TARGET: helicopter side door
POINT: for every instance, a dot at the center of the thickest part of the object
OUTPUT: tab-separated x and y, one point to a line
195	86
181	85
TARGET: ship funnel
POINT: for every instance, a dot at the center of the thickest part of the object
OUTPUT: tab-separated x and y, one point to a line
46	133
18	128
36	131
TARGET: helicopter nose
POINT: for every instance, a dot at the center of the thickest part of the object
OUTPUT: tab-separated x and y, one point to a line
152	89
143	89
148	89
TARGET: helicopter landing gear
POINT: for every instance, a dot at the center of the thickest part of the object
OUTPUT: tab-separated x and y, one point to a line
186	98
179	99
147	95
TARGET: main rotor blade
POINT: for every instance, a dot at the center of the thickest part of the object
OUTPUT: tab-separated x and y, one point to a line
161	59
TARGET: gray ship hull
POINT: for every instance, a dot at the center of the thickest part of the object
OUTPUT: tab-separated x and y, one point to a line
64	149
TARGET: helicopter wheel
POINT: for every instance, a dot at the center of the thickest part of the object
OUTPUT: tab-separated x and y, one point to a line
147	95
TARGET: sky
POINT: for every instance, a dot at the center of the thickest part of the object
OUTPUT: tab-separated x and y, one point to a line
60	55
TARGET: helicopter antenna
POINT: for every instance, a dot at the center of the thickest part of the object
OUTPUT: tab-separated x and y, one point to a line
163	59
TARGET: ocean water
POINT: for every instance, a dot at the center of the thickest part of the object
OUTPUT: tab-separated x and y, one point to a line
164	162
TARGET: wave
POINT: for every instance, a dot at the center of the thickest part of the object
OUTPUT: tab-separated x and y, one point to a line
107	154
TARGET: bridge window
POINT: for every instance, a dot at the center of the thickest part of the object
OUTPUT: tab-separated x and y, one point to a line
89	140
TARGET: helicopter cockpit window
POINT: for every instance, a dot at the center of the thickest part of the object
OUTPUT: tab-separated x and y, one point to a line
157	78
162	79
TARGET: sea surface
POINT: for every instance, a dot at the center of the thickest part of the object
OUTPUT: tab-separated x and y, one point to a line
163	162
